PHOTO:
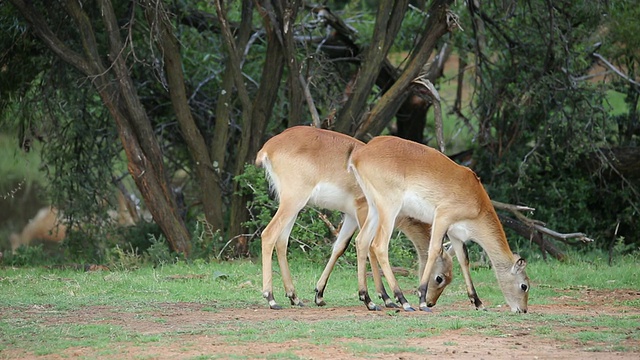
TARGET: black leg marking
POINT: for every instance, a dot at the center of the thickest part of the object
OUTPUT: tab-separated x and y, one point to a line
422	294
364	297
402	300
272	302
293	298
475	300
319	299
388	302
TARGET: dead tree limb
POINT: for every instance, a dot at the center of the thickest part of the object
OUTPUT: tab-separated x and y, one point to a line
535	230
534	236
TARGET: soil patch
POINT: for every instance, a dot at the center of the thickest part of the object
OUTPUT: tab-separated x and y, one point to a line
185	322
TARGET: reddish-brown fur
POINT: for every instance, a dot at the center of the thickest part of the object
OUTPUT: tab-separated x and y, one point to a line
400	177
306	165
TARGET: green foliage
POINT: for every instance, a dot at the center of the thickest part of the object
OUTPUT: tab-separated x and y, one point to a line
28	256
158	253
310	235
205	243
542	129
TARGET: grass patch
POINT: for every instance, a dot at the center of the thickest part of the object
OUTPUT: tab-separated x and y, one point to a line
112	312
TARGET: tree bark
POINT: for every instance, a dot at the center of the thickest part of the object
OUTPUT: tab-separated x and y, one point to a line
388	21
296	90
158	20
253	133
222	134
254	114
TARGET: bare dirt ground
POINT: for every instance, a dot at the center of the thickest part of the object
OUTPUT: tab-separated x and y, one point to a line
185	319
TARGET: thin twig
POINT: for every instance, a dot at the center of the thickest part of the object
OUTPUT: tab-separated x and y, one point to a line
312	107
231	240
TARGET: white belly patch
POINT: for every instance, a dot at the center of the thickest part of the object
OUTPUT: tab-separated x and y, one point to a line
332	197
416	207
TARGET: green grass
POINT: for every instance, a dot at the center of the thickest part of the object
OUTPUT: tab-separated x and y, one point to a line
142	296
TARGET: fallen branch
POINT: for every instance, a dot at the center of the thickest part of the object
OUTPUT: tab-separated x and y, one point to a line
534	236
538	225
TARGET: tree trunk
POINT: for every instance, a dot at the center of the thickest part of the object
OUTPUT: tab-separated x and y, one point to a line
296	92
220	146
252	135
411	118
158	20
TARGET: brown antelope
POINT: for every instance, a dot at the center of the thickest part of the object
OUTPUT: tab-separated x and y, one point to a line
401	178
49	224
308	166
46	225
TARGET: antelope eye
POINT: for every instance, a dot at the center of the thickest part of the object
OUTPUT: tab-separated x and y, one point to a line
439	279
524	287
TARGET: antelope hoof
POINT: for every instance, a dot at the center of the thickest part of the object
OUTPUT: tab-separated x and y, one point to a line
408	307
272	302
425	309
390	304
373	307
296	302
319	299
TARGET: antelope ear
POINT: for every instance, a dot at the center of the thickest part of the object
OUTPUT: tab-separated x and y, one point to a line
519	266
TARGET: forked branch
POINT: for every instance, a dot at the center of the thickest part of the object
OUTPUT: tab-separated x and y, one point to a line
538	225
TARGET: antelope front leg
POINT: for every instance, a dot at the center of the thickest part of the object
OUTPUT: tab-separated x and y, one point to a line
363	243
380	251
438	231
349	226
463	258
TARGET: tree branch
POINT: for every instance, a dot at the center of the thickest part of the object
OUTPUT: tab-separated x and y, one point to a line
39	26
606	63
437	25
536	224
434	96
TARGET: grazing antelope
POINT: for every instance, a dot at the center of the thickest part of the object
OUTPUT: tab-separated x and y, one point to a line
49	224
308	166
401	178
46	225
